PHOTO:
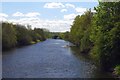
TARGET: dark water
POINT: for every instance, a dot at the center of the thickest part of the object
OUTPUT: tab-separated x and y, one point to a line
48	59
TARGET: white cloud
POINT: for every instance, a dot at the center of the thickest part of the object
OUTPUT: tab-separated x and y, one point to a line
18	14
70	16
32	14
80	9
94	11
54	5
58	5
52	25
70	5
3	15
3	19
63	10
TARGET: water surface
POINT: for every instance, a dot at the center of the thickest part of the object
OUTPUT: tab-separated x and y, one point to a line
49	59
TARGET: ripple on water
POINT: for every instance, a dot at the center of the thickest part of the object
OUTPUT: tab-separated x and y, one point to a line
48	59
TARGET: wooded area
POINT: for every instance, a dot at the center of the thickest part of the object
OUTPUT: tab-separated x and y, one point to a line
99	35
19	35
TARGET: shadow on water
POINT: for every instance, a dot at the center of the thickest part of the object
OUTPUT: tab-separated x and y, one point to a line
12	50
97	72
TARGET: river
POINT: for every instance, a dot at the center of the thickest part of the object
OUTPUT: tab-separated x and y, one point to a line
49	59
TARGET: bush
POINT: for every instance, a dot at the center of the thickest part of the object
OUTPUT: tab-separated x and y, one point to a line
117	70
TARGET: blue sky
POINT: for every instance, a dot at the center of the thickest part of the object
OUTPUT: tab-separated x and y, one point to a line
56	17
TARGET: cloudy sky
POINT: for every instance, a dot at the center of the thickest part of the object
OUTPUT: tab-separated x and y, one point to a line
55	16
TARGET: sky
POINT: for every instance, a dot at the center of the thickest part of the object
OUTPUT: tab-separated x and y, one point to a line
54	16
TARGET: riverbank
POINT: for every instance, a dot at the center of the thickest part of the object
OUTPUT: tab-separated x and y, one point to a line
19	46
93	60
19	35
114	72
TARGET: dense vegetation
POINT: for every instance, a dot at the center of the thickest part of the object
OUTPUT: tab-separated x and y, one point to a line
19	35
99	34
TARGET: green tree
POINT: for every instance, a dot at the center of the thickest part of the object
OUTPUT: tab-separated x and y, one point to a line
65	35
80	31
23	35
106	34
41	33
9	39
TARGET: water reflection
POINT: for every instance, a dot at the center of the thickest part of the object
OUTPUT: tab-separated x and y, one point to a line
96	71
48	59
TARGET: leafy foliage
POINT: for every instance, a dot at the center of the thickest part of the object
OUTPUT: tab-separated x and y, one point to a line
65	35
117	70
99	33
80	31
106	34
23	35
8	36
18	35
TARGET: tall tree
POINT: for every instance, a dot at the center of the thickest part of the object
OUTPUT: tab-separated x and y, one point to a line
79	33
9	39
106	34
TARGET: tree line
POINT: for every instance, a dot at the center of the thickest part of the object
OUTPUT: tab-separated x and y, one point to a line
18	35
99	35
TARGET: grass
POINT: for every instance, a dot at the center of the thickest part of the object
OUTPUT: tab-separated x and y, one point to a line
32	42
117	70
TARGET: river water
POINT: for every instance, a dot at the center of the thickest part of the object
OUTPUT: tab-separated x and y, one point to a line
49	59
